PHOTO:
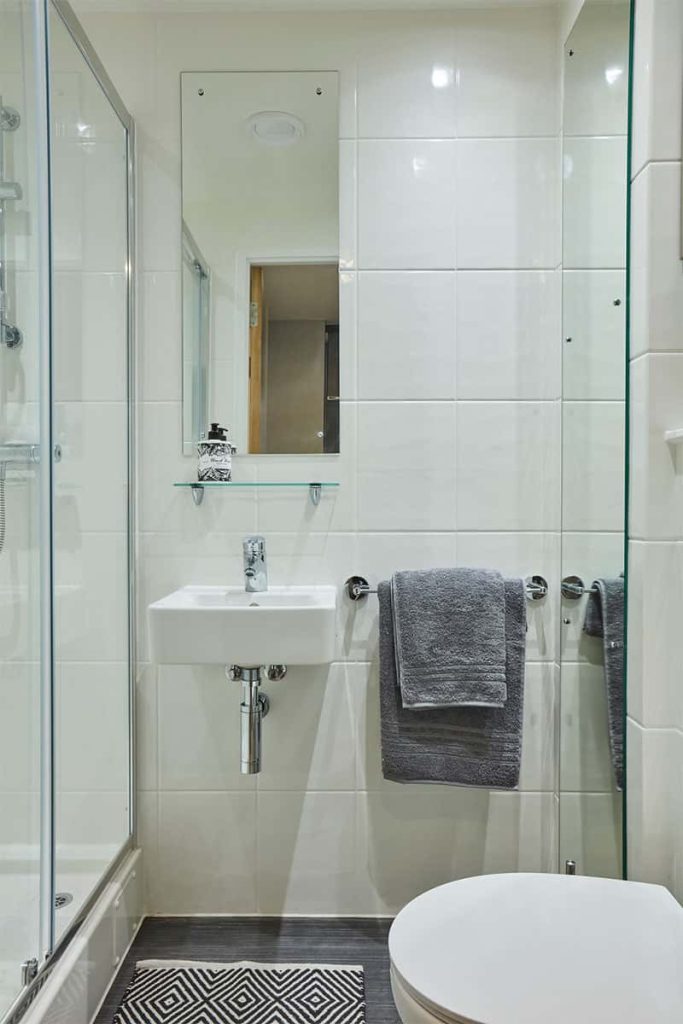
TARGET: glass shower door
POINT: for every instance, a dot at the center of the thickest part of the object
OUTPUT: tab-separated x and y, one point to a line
24	501
89	186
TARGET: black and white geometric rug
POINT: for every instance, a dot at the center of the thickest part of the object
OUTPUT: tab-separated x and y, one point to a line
191	992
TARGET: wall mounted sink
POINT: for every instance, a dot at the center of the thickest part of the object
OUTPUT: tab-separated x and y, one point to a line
228	626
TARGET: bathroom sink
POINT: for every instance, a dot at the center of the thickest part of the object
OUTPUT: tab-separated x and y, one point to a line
228	626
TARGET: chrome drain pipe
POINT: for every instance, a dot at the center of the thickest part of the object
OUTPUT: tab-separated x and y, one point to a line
254	707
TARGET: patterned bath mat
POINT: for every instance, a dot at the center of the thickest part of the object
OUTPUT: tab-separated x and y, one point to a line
191	992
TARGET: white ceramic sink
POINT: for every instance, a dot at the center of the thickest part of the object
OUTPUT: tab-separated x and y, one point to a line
228	626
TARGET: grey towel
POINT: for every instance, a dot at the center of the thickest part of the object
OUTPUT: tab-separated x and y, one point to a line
459	746
449	633
605	618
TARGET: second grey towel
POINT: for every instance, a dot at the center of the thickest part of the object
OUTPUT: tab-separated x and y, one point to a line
459	746
605	618
449	631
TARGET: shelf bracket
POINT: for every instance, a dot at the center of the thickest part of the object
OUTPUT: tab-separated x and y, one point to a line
197	493
315	492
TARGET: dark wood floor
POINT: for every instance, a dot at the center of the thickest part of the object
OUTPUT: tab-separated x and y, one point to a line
269	940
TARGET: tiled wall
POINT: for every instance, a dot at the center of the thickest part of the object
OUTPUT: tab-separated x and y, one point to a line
450	205
655	701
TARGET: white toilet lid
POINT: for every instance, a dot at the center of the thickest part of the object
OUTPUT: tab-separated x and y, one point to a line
543	949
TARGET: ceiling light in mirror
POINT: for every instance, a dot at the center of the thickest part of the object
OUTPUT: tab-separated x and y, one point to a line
276	128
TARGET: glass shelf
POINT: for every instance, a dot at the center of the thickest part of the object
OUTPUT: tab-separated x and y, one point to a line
314	487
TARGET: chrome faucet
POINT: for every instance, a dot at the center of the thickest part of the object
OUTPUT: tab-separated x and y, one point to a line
255	570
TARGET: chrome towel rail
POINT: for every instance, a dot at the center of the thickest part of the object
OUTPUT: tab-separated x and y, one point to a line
358	588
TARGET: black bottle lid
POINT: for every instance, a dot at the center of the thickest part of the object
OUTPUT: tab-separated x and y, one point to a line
218	433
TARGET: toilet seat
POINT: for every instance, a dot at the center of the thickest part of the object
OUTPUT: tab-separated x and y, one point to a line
539	949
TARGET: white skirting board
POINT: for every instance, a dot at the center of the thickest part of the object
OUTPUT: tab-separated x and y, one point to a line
83	975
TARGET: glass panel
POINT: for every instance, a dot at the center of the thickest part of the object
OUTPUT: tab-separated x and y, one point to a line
20	506
595	147
89	203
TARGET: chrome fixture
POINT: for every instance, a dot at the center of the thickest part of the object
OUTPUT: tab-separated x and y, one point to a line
358	588
10	335
573	588
255	570
29	970
17	453
254	707
570	867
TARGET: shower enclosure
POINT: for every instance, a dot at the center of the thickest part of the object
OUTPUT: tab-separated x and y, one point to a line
66	496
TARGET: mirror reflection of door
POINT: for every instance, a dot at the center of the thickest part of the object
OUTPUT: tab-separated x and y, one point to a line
294	358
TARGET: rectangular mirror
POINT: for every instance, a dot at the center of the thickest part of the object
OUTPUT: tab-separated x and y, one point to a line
260	260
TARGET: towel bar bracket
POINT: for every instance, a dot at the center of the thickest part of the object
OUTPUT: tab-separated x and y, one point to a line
358	588
573	588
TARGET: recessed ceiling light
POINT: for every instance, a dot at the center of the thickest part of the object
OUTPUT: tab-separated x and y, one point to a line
276	128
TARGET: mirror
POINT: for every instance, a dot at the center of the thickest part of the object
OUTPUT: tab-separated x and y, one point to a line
260	261
595	371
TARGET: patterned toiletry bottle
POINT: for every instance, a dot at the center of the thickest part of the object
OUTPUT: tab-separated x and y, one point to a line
215	455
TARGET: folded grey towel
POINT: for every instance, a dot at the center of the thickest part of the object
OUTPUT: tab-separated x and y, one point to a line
459	746
605	618
449	633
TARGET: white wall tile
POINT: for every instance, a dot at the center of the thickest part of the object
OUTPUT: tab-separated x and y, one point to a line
655	806
159	205
91	620
594	318
507	73
207	852
518	442
406	335
92	727
199	730
656	471
19	727
507	204
590	833
656	269
416	837
160	343
513	351
655	637
90	479
307	853
657	78
593	464
594	203
81	369
406	469
309	737
146	728
406	209
595	98
586	763
407	82
348	199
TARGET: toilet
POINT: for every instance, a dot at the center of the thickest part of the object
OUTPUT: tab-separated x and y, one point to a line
539	949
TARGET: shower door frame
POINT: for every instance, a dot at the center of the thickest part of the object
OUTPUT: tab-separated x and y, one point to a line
50	950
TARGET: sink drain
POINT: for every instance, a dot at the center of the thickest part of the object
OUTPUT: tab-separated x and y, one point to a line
63	899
